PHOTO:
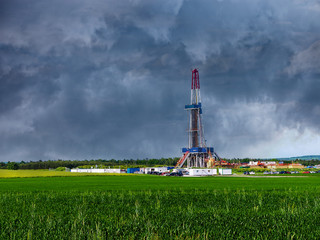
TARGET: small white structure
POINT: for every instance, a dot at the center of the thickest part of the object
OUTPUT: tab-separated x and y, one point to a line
156	169
95	170
267	163
202	172
225	171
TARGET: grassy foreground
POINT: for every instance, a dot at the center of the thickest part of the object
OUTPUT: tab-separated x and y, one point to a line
155	207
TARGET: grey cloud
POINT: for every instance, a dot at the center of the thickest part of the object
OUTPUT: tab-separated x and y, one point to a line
306	61
109	79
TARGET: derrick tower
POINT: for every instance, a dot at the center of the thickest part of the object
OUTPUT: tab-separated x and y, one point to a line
197	154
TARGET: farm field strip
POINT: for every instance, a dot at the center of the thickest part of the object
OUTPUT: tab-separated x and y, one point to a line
45	173
150	182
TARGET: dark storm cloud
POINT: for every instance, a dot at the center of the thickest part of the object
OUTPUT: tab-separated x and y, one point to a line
109	79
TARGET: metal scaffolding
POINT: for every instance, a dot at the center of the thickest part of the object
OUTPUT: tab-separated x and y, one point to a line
197	154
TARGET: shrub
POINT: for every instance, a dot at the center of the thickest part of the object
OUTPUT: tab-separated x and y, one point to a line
13	166
60	168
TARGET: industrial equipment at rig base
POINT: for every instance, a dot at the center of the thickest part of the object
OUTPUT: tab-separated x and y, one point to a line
197	154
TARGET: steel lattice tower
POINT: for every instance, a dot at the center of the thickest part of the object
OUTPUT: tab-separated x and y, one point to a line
195	129
197	154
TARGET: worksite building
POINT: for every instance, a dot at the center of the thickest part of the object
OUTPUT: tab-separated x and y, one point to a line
202	172
225	171
156	169
95	170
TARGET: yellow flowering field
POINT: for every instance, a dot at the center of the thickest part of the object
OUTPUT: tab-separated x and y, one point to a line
4	173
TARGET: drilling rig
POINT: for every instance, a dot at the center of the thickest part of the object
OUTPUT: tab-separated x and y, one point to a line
197	154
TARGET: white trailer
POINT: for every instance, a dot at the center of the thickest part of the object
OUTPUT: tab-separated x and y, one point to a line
202	172
156	169
113	170
225	171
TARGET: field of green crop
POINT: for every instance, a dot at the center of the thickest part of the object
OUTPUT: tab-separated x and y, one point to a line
155	207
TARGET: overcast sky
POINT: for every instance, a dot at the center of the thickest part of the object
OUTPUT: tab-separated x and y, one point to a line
109	79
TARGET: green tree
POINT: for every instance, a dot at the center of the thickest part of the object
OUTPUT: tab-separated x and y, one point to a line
13	166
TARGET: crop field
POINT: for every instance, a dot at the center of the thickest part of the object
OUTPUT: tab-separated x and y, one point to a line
155	207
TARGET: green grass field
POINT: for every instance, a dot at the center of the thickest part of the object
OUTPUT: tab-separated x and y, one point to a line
156	207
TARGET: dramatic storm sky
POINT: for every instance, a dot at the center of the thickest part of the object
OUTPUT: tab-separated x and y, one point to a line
109	79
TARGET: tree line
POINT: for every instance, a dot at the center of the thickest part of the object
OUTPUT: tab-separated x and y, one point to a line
125	163
99	162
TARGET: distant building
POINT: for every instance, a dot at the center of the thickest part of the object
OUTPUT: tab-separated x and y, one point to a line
156	169
266	163
202	172
296	165
94	170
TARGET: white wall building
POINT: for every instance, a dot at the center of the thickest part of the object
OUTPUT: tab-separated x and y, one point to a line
95	170
202	172
156	169
225	171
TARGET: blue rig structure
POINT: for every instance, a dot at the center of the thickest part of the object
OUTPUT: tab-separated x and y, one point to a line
197	154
